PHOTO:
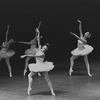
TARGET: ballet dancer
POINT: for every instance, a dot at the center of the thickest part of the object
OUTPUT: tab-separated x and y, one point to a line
41	67
32	49
83	49
5	52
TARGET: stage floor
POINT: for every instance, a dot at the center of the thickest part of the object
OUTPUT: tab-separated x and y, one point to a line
77	87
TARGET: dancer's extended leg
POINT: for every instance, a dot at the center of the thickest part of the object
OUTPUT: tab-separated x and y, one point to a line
9	66
71	64
87	64
26	65
30	81
46	76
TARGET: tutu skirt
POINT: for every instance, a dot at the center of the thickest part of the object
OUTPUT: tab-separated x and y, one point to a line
6	54
41	67
30	51
87	49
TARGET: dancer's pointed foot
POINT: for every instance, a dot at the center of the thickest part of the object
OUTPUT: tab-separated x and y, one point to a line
22	56
53	94
89	74
70	72
24	72
10	75
29	91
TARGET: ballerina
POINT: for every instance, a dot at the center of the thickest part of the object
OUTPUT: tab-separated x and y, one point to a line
6	53
32	49
40	67
82	49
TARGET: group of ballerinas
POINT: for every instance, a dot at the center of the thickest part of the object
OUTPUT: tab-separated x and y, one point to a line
37	51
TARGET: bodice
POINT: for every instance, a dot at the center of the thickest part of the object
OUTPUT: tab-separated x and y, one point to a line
40	57
80	45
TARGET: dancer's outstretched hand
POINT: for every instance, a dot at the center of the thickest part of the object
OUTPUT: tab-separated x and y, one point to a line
71	33
78	21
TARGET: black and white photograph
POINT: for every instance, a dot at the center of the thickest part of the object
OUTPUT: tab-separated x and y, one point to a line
49	50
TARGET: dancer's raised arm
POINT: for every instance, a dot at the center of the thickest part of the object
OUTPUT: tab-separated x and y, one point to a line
24	42
7	33
80	28
75	35
38	35
80	38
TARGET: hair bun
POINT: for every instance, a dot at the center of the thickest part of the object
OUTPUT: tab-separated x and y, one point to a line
47	44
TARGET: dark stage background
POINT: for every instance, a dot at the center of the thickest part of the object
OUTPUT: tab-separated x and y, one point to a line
58	17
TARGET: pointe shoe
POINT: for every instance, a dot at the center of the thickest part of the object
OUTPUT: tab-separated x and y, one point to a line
10	75
70	72
22	56
53	94
29	91
89	74
24	72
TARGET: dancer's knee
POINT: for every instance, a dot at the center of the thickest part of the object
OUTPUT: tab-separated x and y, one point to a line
46	76
71	58
31	74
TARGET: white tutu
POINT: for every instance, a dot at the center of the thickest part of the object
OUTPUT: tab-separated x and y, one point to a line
30	52
10	53
88	49
41	67
6	54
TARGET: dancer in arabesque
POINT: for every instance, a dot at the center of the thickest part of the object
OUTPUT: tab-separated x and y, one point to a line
83	49
6	53
32	49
